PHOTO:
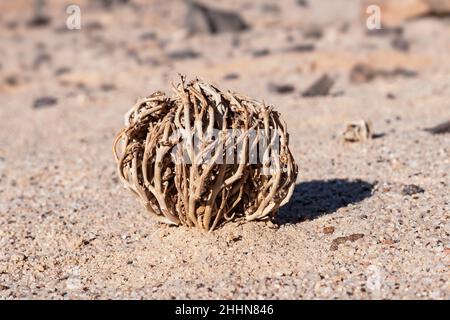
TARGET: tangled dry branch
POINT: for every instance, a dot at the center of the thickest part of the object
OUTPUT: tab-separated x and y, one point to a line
205	156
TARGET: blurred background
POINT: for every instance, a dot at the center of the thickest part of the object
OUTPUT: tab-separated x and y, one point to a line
69	70
264	48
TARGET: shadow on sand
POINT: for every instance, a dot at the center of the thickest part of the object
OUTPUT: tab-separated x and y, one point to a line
312	199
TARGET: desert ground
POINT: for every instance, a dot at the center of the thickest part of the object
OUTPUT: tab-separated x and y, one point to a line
367	220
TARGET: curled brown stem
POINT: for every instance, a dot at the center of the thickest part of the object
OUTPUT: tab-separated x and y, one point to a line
205	156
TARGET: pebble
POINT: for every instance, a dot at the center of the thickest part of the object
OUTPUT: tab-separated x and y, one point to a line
340	240
328	230
281	88
44	102
203	19
321	87
411	189
184	54
441	128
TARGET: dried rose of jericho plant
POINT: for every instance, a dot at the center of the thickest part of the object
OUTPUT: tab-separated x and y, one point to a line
205	156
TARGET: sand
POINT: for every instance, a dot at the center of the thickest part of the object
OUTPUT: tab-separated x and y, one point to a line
69	230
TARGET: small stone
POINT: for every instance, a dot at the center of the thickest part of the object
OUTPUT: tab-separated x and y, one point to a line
108	4
440	128
40	59
203	19
108	87
328	230
231	76
301	48
361	73
281	88
313	32
397	72
302	3
400	44
270	8
184	54
44	102
39	21
411	189
358	131
12	80
148	36
390	96
320	87
261	53
231	237
62	70
39	18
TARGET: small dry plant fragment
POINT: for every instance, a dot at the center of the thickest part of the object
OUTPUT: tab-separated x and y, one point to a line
358	131
205	156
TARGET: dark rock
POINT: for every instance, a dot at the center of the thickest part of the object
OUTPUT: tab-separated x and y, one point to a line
301	48
184	54
362	73
39	21
202	19
411	189
281	88
148	36
400	44
107	87
391	96
12	25
338	93
62	70
40	59
261	53
313	33
440	128
320	87
303	3
231	76
134	55
397	72
358	131
236	42
108	4
12	80
41	45
44	102
385	31
39	18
